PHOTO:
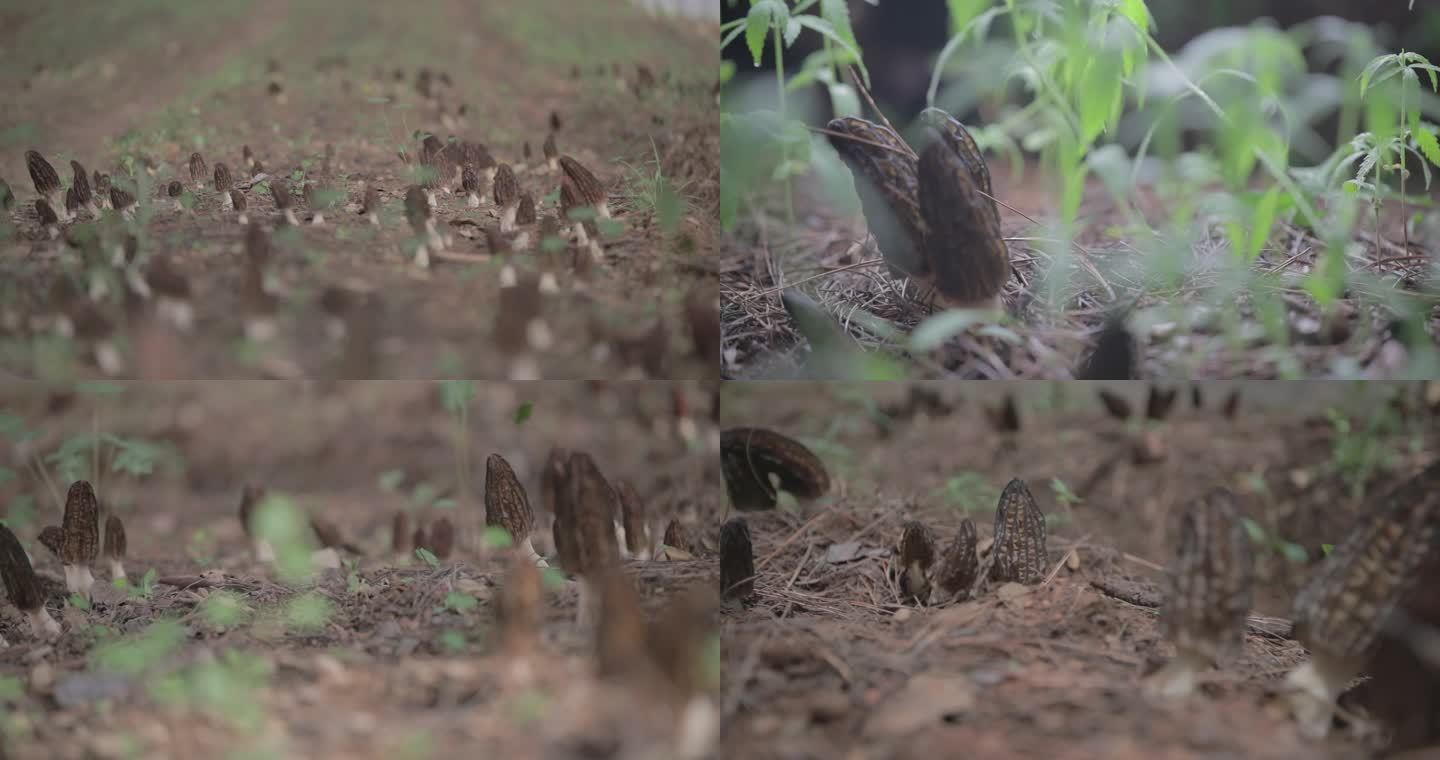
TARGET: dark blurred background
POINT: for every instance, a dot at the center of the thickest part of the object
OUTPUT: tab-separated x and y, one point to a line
901	38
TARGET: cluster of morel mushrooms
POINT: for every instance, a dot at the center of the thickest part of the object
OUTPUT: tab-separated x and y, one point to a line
597	524
1353	598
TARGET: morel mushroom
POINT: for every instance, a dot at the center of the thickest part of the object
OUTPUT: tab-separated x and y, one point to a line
1211	587
198	171
678	537
7	196
507	197
586	518
241	206
174	190
963	246
592	193
47	182
417	212
81	544
507	506
52	538
1348	600
756	462
1020	554
470	184
959	567
442	538
23	587
1159	402
525	212
552	153
916	555
247	159
737	559
633	520
284	202
72	203
115	546
250	498
81	185
370	207
48	220
224	183
1114	357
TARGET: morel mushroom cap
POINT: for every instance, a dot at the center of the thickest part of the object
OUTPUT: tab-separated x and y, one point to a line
526	212
469	180
237	199
223	181
47	182
52	538
174	188
22	585
1115	405
507	190
72	200
592	193
959	565
102	187
592	509
506	504
81	182
963	245
1114	357
737	558
115	545
633	518
1020	553
917	554
417	208
1211	587
678	536
1342	609
197	168
442	538
751	457
552	477
120	199
81	526
885	178
281	194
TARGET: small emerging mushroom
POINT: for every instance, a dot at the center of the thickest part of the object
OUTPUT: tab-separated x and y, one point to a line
250	498
81	544
737	559
507	197
442	538
122	201
313	200
23	587
115	546
552	153
370	206
174	190
198	171
470	184
677	536
417	212
507	506
102	190
241	206
958	568
284	202
634	521
916	555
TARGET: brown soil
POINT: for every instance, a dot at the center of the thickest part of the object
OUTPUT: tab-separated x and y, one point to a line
174	79
827	663
396	669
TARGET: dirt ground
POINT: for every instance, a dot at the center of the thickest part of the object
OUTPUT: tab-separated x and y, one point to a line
826	663
117	86
402	658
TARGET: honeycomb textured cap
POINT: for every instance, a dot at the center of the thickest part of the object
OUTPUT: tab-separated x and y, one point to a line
21	585
963	246
506	503
1344	605
750	457
737	559
81	525
197	167
592	193
52	537
1211	580
507	190
115	544
47	214
594	505
917	554
1020	554
960	563
47	182
632	516
526	213
223	181
81	182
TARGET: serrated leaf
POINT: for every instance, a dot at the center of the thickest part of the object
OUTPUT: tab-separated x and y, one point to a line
1429	146
757	23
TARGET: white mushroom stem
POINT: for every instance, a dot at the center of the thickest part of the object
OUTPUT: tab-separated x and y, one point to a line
243	219
507	216
422	256
78	579
177	312
1314	687
225	201
318	219
698	728
540	338
553	164
264	552
290	218
548	283
117	569
528	548
41	624
524	368
433	236
1179	677
472	200
107	356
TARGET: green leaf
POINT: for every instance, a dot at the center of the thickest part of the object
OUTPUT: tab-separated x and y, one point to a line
496	537
1262	221
1327	548
455	395
78	602
427	557
523	412
461	603
963	11
757	23
1426	142
934	331
390	480
552	577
